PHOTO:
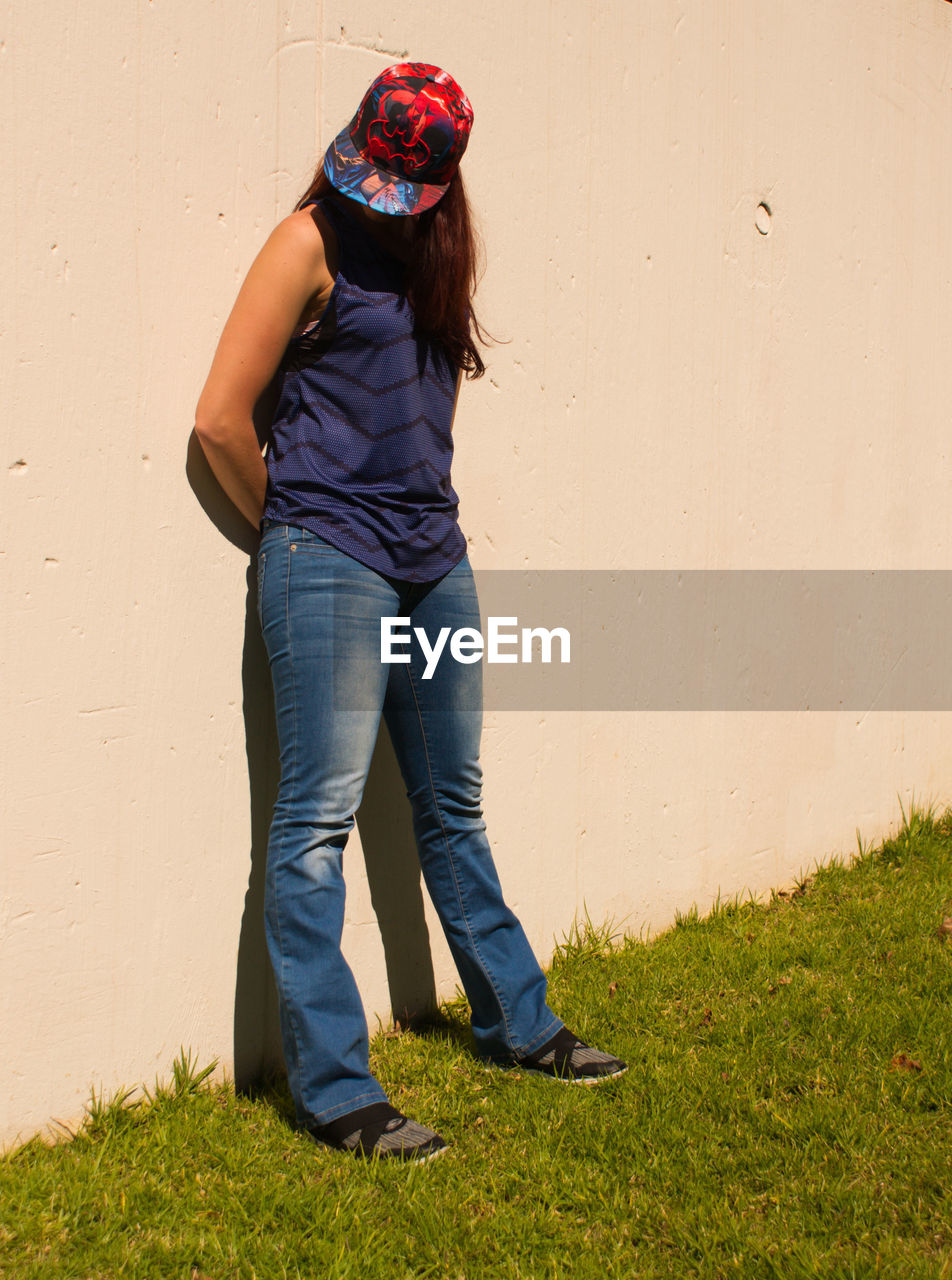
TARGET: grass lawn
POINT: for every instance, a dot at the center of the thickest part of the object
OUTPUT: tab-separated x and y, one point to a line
787	1112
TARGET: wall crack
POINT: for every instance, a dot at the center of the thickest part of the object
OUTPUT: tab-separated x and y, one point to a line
375	46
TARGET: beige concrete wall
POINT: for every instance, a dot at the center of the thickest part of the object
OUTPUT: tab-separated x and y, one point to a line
678	390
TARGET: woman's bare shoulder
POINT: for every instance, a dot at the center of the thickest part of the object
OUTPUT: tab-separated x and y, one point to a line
307	234
302	231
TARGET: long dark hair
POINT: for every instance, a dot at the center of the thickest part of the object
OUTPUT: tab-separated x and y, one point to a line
442	274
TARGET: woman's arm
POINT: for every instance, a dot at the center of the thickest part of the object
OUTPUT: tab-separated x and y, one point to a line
289	277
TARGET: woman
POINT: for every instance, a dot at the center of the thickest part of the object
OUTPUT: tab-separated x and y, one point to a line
359	303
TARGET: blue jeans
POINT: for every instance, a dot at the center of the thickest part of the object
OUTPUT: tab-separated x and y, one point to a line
320	614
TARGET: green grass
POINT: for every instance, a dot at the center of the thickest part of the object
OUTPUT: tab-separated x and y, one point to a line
788	1113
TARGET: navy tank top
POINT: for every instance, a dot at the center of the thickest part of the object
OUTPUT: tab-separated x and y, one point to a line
360	445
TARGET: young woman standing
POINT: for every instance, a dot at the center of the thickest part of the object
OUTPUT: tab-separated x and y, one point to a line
359	305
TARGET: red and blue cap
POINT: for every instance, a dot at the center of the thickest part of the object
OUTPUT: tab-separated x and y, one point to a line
402	148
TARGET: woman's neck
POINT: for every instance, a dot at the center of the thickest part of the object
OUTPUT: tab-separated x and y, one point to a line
393	232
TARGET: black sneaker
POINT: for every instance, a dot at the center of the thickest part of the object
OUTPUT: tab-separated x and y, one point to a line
379	1130
567	1058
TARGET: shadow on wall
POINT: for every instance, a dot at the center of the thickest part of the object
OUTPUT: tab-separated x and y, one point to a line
384	821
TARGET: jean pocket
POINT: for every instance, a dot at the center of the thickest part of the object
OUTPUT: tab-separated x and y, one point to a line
307	540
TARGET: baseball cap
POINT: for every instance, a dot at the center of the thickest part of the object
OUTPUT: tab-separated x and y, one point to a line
402	148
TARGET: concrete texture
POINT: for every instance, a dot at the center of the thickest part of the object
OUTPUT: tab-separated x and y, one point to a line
717	249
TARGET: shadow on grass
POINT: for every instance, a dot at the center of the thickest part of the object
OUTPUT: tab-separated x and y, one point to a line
448	1023
271	1089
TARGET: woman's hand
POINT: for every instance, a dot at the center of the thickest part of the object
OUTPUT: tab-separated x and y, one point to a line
289	278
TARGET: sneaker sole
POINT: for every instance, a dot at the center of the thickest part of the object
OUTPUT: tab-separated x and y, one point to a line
430	1155
551	1075
394	1157
378	1155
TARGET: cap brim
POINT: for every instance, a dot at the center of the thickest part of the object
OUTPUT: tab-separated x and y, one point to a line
356	177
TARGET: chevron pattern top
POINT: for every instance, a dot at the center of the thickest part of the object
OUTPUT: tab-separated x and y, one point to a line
360	446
